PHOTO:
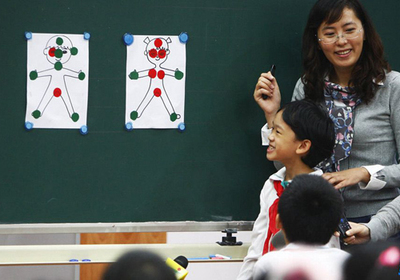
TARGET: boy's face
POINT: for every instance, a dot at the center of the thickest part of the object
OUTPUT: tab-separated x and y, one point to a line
282	141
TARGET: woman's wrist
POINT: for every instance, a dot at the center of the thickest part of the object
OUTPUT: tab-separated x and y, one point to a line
365	177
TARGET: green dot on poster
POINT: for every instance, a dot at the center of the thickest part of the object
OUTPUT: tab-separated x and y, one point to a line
58	53
36	114
81	76
178	75
173	117
74	51
58	66
134	115
59	41
75	117
33	75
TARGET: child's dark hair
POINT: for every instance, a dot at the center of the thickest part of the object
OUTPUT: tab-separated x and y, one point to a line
310	210
309	121
139	265
374	260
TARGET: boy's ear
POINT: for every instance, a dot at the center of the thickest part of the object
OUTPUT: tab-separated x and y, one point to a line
278	222
304	147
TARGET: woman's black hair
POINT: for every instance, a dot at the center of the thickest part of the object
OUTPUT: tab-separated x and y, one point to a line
369	69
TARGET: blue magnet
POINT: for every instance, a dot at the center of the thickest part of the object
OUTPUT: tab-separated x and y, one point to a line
83	130
74	260
28	35
128	39
182	126
183	37
86	260
129	126
86	35
28	125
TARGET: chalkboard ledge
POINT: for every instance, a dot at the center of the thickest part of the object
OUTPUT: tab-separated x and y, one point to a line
186	226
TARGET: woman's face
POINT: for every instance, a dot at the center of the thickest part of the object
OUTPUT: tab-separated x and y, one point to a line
344	53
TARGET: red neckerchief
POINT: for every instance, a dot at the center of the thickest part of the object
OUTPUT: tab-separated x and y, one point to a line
272	230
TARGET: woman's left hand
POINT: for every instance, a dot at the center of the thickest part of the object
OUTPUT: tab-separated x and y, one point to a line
348	177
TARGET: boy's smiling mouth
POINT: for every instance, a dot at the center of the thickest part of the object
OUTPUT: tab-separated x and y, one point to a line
270	148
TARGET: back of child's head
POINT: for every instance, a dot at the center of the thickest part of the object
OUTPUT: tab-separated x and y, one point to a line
375	260
310	210
310	121
139	265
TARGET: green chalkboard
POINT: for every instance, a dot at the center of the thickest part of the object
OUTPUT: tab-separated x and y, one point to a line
212	171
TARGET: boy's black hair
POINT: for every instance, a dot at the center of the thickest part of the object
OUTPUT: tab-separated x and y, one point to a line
310	121
310	210
139	265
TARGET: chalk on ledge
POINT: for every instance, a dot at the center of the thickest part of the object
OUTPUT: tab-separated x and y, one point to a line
219	257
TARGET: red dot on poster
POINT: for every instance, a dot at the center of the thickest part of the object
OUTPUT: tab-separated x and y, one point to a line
57	92
152	73
158	43
52	52
162	53
161	74
153	53
157	92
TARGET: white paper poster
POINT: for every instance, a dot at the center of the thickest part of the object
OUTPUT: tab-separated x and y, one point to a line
155	82
57	80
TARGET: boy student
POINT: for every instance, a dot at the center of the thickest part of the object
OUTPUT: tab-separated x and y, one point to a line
302	136
308	214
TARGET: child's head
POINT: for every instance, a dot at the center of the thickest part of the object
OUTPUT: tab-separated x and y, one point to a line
139	265
309	210
374	260
303	128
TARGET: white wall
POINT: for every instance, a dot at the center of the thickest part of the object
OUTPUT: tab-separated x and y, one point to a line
42	272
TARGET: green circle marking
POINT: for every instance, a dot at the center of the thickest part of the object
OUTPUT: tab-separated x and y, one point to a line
58	66
75	117
81	76
178	75
74	51
134	75
173	117
59	41
33	75
58	53
134	115
36	114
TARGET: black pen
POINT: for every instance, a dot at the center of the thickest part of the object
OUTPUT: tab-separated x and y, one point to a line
273	68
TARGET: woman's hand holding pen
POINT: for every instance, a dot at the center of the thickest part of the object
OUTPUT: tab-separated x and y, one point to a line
267	86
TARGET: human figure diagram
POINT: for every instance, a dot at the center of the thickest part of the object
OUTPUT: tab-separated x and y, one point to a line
157	51
58	52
